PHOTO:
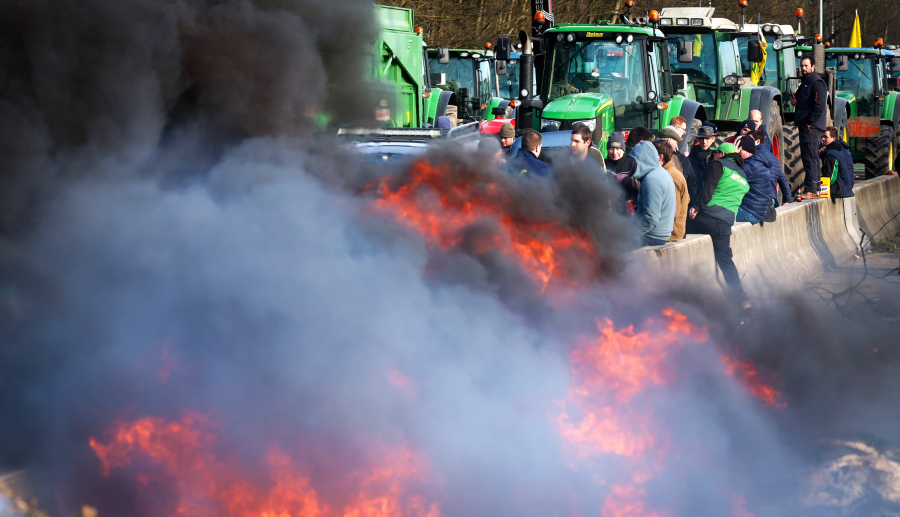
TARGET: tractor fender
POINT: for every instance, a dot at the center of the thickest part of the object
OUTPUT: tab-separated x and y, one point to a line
447	98
690	110
761	99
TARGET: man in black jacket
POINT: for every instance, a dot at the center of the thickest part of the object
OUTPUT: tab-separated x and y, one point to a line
809	117
837	163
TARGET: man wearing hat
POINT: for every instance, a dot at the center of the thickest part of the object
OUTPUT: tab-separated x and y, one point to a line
714	211
756	202
701	154
680	161
507	136
615	150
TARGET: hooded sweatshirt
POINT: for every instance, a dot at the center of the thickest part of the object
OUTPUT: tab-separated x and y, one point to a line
656	200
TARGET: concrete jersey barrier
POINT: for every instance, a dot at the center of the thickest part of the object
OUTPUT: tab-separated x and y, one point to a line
807	238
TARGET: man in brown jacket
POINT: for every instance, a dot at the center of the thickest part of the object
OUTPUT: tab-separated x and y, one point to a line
682	198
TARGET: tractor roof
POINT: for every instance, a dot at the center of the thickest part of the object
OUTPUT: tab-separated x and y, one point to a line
604	26
694	18
768	28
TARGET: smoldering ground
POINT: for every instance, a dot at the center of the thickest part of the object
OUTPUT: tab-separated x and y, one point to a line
175	240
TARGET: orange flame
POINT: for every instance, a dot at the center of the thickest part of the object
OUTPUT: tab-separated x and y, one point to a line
611	369
444	206
745	372
198	483
626	501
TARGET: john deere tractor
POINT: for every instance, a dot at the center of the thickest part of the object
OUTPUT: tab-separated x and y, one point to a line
611	77
706	64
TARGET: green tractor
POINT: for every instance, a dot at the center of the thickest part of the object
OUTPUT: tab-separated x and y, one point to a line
466	74
612	77
404	93
706	63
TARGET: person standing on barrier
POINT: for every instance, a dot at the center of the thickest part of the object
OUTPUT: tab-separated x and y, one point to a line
714	211
809	117
837	163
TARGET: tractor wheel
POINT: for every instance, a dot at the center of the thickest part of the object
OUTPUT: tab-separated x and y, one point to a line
792	164
880	153
776	132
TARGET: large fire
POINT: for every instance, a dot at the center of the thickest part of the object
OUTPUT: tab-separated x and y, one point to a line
444	206
182	472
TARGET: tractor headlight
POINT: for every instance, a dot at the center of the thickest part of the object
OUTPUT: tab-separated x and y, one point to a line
559	38
630	38
730	80
619	39
778	44
777	29
570	37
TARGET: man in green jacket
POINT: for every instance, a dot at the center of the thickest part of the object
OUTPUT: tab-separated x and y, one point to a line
714	210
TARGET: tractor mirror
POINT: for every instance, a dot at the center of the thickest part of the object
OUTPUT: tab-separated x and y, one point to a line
439	79
895	64
463	93
533	103
893	83
476	103
503	49
842	63
754	52
443	55
679	82
685	51
500	67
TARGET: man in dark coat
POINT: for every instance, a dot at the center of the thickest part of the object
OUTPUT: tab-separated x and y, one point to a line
837	163
615	150
776	175
756	201
809	117
701	154
526	162
756	117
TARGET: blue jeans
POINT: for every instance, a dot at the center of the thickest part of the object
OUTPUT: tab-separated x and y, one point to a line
650	241
746	217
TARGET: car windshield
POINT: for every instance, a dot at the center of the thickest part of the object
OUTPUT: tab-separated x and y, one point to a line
602	67
460	72
858	80
770	72
704	66
507	86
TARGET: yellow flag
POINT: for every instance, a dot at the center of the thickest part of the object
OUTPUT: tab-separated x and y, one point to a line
856	35
756	69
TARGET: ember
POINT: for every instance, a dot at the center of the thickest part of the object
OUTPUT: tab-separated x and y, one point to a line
758	385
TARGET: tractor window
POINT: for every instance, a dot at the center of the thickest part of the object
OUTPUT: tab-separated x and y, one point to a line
507	86
597	66
484	80
704	68
460	72
857	79
727	53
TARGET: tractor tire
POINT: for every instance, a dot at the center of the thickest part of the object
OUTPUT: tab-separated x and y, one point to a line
776	132
880	153
792	164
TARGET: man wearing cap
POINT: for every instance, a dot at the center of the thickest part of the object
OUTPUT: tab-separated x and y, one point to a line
744	128
615	150
755	204
507	136
714	211
681	162
701	153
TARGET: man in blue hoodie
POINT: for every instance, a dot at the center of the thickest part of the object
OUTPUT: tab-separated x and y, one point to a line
756	201
656	201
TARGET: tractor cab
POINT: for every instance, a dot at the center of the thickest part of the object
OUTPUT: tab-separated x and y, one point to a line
860	76
466	73
610	77
779	65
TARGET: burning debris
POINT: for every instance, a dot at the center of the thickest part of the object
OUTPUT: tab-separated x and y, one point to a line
860	480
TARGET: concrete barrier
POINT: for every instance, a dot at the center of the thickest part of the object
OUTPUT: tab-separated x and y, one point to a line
807	238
